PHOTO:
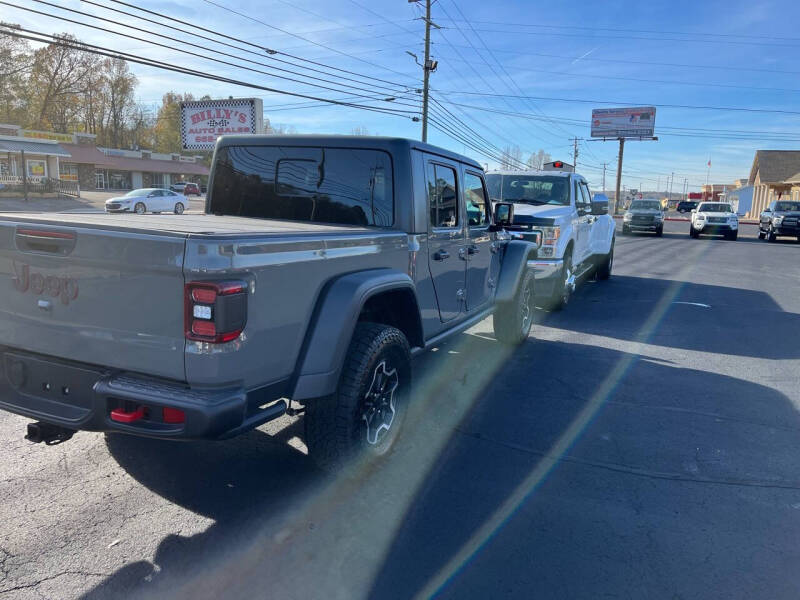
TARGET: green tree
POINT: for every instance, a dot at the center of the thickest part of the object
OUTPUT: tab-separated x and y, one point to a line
16	61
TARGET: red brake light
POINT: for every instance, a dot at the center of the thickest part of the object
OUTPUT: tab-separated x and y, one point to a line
221	308
558	164
204	328
204	295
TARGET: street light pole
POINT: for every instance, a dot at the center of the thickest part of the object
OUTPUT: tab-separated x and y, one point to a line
619	173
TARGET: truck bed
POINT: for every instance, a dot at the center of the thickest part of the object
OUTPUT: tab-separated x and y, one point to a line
182	225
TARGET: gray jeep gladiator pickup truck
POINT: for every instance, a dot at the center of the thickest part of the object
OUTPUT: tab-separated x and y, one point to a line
322	264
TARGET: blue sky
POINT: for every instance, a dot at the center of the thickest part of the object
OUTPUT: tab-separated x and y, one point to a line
719	53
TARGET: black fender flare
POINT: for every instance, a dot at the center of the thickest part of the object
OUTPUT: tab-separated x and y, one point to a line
333	324
515	260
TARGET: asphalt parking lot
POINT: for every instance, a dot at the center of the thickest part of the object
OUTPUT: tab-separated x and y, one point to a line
642	444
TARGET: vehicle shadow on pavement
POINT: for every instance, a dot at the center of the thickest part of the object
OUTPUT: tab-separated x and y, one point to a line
737	318
474	438
237	483
657	465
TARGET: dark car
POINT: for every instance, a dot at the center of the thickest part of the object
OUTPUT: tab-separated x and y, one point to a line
686	206
781	217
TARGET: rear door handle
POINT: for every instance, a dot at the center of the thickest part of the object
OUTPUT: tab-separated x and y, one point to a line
441	254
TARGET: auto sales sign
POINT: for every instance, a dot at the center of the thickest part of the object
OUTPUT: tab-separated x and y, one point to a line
203	121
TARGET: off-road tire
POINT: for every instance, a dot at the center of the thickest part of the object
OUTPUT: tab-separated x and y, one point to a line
603	272
513	320
335	433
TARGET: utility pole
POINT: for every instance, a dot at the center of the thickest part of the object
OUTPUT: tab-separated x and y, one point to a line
575	153
619	173
604	178
428	67
685	189
671	181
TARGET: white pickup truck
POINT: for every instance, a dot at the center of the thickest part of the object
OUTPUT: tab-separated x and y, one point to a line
579	233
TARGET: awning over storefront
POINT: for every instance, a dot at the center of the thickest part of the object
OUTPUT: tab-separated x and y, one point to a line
15	147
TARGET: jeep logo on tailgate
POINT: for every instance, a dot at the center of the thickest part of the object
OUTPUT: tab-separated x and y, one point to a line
65	288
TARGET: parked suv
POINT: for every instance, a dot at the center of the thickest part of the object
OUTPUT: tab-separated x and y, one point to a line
685	206
715	218
644	215
322	265
781	217
578	231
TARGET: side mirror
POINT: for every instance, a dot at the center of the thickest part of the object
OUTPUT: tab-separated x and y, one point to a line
503	214
600	204
694	210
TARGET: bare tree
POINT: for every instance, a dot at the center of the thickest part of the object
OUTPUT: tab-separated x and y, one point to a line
511	158
537	160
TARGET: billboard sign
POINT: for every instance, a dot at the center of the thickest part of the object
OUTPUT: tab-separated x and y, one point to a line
623	122
203	121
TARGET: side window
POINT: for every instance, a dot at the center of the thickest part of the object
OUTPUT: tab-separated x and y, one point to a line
158	193
475	196
587	195
442	196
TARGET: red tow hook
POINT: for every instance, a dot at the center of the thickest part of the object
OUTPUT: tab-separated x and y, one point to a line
120	416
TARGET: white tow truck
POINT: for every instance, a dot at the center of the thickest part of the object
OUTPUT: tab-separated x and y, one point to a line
578	233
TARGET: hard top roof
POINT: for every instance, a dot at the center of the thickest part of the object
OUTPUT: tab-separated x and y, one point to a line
366	142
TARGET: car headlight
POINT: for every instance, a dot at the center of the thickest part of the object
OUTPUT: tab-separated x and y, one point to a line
546	252
777	220
700	217
550	235
659	217
627	216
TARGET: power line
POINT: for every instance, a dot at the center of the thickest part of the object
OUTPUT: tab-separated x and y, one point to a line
263	52
203	56
662	81
742	133
693	40
622	30
269	51
619	103
562	58
195	54
265	24
46	38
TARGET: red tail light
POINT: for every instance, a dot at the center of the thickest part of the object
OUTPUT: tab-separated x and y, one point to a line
215	311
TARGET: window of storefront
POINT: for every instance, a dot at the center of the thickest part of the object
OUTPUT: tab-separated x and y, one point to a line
100	179
36	167
68	171
158	180
119	180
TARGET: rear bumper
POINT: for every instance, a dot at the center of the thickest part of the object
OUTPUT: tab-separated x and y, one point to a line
547	273
81	397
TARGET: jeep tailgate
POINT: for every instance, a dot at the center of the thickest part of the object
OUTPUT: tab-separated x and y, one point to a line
107	297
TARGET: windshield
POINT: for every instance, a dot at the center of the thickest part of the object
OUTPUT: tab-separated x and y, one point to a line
646	205
714	208
787	207
529	189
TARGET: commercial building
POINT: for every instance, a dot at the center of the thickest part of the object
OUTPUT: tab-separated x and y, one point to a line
775	174
75	157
